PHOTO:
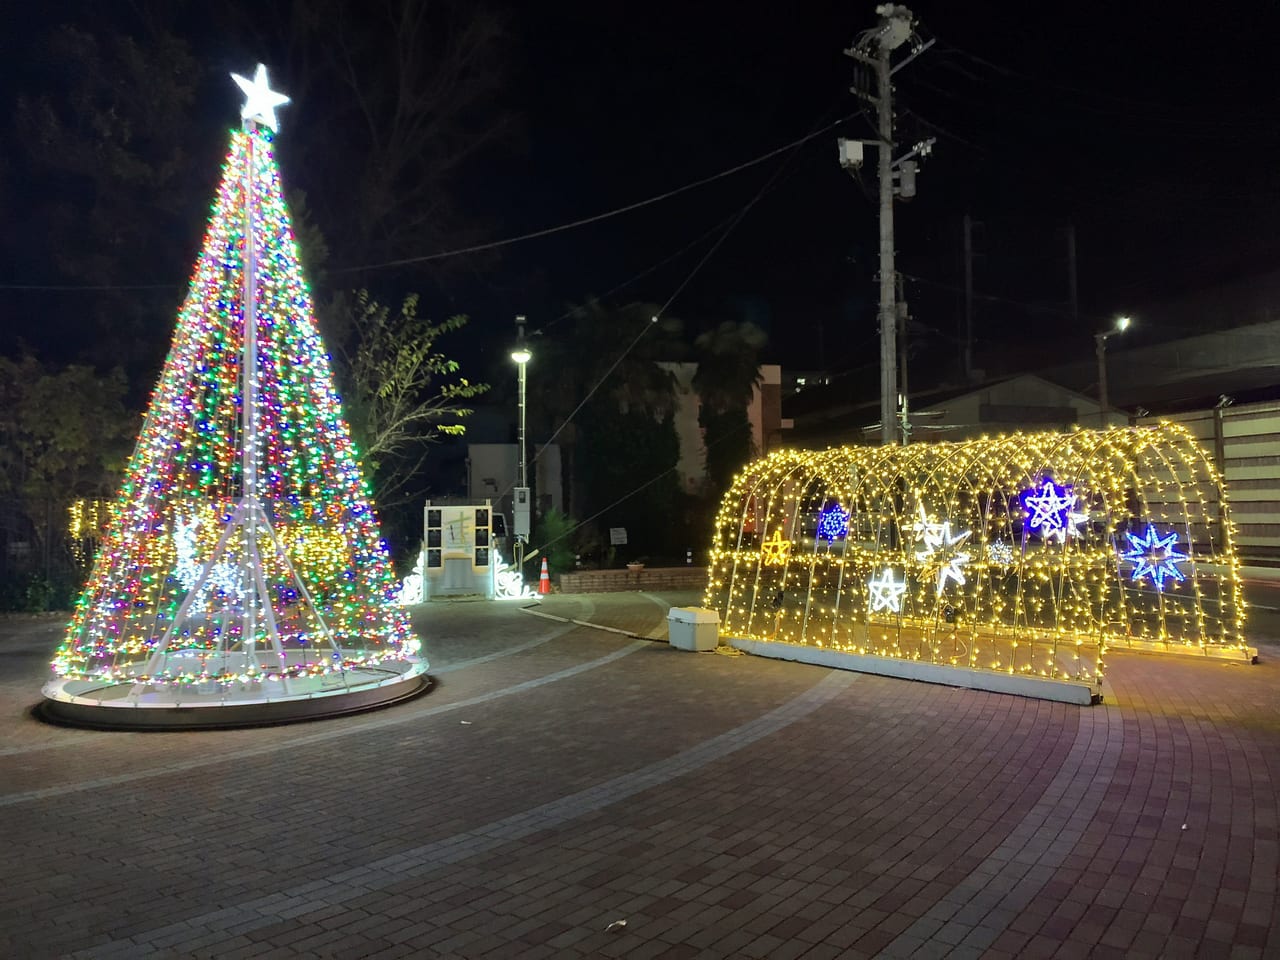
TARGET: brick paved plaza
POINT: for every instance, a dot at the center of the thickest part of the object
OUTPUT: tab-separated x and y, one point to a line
561	778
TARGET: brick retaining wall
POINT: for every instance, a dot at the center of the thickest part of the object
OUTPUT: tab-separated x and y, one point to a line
650	578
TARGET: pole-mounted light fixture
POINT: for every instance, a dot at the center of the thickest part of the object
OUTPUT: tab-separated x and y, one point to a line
521	354
1122	324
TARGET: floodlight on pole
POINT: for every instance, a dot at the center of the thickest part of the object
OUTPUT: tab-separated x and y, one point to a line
1100	349
521	354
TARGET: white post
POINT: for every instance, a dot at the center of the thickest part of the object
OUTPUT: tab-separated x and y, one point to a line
520	506
249	411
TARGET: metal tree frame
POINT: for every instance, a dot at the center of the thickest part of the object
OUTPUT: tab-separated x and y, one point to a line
249	516
268	598
946	561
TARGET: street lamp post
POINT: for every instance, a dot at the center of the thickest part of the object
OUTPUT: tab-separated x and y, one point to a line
521	355
1100	349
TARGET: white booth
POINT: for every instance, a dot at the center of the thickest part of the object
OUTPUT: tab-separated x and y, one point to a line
459	550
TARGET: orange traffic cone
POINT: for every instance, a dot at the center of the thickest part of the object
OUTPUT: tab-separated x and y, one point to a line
544	582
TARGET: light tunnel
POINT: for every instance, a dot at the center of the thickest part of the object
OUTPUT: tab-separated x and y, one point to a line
1028	554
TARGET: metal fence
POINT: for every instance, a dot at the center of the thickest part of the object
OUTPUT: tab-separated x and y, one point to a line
1245	441
46	547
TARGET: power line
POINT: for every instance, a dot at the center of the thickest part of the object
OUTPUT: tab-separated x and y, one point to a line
768	184
493	244
1043	308
70	287
643	273
731	434
1146	106
1136	124
596	218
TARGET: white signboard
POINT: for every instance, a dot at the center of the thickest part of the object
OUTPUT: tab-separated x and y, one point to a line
617	536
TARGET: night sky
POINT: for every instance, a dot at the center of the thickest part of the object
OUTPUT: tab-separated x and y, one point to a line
1151	127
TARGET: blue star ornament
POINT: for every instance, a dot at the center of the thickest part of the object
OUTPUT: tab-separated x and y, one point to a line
1155	556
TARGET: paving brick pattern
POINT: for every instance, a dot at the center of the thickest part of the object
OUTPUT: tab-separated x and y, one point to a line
560	779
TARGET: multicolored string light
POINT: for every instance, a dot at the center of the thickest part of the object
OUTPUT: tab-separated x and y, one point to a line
185	477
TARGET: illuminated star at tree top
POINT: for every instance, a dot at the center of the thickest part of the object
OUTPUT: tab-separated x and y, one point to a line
886	593
260	100
1050	511
1155	556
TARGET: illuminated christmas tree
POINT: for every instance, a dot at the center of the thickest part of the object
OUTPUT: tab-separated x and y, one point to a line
243	558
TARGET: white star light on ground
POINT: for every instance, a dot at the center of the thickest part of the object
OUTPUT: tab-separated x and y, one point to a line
260	100
886	593
1155	556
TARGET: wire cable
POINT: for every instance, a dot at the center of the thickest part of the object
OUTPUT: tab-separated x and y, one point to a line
596	218
641	275
795	146
89	287
533	551
493	244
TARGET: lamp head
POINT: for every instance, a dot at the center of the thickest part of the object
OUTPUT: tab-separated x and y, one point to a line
1122	324
521	355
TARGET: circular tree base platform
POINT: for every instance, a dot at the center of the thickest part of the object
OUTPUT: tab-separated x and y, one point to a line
125	705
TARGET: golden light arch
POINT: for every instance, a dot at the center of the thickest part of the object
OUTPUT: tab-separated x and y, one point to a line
1029	553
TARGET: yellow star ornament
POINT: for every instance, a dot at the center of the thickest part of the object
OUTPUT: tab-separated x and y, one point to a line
775	549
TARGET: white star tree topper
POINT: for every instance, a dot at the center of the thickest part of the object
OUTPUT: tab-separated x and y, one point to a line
260	100
886	593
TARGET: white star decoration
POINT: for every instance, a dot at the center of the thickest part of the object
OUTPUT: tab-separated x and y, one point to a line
1052	513
940	548
1155	556
886	593
926	529
260	100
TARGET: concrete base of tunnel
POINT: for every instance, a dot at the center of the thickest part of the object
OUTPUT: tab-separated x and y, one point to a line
1040	688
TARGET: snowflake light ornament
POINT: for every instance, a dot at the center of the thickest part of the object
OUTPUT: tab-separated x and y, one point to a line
1000	552
833	523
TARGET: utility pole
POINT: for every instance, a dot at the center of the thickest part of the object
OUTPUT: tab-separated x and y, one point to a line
1071	277
874	48
520	494
1100	351
968	299
904	330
